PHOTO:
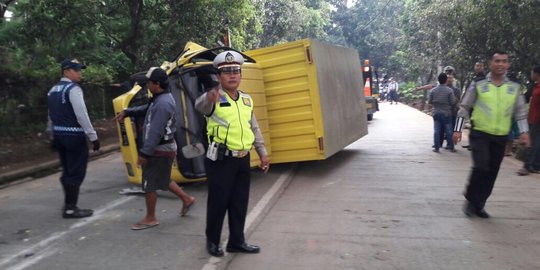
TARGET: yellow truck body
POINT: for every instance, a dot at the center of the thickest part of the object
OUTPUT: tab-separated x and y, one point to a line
308	101
314	96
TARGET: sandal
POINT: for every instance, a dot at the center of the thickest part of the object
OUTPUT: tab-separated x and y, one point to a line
143	226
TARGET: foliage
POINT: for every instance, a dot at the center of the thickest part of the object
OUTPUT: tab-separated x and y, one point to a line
408	95
114	38
411	40
459	33
286	20
370	27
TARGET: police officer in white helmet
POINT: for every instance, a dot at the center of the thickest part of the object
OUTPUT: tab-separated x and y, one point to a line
232	132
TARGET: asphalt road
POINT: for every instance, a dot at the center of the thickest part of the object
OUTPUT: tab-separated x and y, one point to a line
34	236
385	202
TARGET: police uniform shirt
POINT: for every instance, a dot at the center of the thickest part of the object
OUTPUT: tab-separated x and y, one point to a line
79	108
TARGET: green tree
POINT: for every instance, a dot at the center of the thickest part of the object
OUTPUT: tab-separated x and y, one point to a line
371	27
286	20
460	32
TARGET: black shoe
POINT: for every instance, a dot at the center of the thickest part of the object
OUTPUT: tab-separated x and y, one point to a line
469	209
436	150
75	212
466	146
482	213
243	248
214	249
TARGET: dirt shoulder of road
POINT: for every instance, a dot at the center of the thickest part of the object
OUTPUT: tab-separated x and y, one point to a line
32	156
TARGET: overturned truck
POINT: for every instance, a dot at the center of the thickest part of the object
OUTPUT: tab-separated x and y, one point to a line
307	95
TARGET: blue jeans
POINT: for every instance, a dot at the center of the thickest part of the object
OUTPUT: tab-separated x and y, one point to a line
442	121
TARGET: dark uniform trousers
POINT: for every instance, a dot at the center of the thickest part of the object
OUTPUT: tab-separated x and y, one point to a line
228	191
73	151
487	154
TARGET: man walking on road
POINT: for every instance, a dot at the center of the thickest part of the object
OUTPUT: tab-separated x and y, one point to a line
159	147
70	125
492	99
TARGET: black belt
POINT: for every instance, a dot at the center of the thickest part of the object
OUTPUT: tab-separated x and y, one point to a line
236	154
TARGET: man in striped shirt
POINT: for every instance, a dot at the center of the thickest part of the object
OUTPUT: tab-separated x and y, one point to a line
442	99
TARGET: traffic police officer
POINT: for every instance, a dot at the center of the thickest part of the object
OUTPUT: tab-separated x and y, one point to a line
495	101
232	131
70	125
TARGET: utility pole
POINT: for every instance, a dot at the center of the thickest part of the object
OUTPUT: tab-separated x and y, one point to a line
227	36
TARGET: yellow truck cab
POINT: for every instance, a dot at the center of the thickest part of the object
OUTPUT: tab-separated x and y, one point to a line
305	93
191	132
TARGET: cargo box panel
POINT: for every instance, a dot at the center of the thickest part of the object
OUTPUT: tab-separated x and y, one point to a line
313	92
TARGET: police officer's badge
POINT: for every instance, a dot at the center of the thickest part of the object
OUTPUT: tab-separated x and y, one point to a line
246	101
229	58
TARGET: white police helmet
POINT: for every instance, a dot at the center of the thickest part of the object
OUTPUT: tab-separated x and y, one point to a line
228	59
448	69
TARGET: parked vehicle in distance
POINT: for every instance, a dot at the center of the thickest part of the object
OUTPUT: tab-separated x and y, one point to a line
371	89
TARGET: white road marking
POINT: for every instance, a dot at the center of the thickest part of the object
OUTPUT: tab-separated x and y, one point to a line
43	249
43	253
256	211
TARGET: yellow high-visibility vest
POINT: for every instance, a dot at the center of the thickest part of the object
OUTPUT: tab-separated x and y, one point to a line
229	123
494	107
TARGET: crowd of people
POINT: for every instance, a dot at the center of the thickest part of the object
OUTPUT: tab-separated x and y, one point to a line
492	129
389	90
493	102
232	131
498	108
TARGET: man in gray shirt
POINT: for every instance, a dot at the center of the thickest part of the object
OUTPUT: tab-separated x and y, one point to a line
442	100
159	147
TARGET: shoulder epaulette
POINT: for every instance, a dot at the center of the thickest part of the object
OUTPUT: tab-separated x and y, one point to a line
244	94
482	85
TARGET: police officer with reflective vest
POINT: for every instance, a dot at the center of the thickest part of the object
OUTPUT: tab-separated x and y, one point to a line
232	131
495	101
70	125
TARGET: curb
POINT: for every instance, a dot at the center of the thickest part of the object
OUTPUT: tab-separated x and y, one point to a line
47	168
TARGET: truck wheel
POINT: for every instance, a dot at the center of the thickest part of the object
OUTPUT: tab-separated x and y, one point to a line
370	117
